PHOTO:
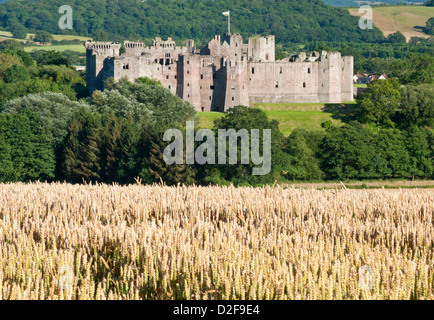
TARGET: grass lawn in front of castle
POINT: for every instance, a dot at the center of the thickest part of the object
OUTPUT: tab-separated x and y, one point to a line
289	115
290	120
206	119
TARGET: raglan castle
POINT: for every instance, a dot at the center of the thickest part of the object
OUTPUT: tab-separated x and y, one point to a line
226	72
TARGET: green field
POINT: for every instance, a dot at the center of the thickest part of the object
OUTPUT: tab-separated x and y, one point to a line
75	47
407	19
291	115
57	37
4	35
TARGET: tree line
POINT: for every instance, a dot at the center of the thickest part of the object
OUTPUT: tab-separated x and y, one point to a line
115	20
411	62
22	73
117	136
50	130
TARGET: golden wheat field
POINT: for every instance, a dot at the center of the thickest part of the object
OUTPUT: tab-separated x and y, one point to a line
61	241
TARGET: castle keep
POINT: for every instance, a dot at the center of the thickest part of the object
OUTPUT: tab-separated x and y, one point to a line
226	72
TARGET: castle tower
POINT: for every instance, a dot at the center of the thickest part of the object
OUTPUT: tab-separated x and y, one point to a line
96	67
262	49
236	91
347	78
190	45
235	42
330	77
188	69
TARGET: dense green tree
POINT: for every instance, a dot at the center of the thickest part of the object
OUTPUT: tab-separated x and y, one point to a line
419	145
151	164
82	154
109	147
417	69
55	110
356	3
127	151
391	146
25	57
43	37
349	153
10	44
101	35
6	62
292	21
301	148
429	28
148	101
18	30
10	91
59	74
121	105
15	74
241	117
355	151
27	155
6	164
52	57
351	51
396	37
15	49
379	103
417	106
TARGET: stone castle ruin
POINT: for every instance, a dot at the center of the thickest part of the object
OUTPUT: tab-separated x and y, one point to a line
226	72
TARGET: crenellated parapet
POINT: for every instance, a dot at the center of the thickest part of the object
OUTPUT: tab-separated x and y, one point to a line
103	48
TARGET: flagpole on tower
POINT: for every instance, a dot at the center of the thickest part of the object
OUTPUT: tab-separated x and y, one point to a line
228	14
229	22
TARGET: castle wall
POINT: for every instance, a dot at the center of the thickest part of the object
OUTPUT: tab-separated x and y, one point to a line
160	50
226	73
282	82
132	68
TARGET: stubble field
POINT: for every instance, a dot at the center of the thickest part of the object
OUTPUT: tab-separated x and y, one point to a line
61	241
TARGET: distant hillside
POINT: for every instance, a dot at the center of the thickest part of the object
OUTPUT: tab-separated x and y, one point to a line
297	21
408	19
355	3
